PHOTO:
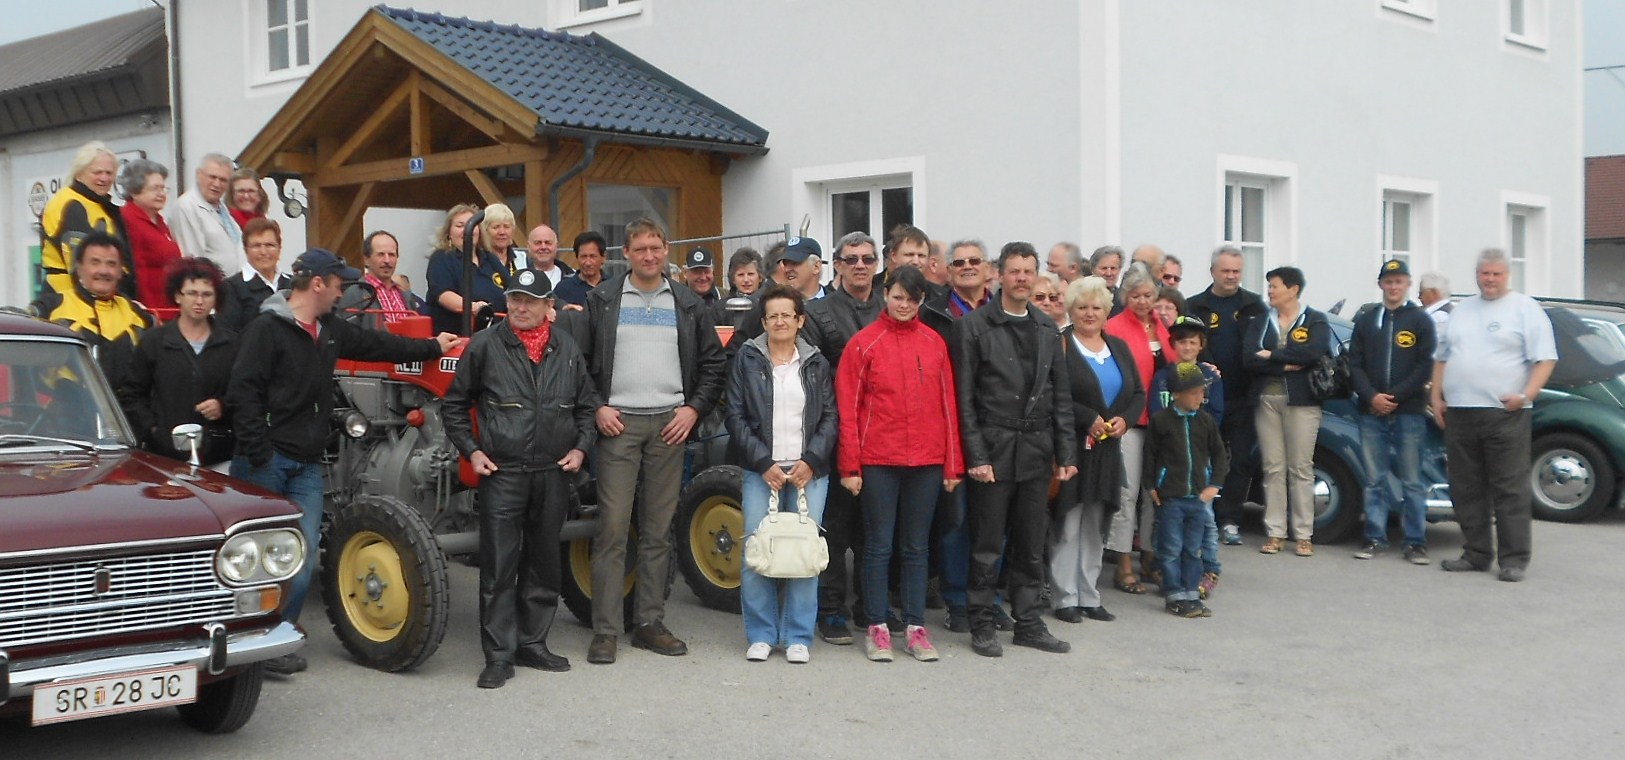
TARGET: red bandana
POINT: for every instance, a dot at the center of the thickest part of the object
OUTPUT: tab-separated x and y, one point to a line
535	340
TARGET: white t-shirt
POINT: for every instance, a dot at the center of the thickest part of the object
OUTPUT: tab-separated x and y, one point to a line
1488	347
789	405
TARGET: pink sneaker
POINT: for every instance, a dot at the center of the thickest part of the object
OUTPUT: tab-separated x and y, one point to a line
879	643
919	644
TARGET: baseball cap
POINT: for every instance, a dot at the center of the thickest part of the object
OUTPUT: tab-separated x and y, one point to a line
1186	375
1393	266
799	249
320	261
699	258
531	283
1184	326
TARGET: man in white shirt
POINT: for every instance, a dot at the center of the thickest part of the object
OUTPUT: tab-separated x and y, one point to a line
543	249
201	222
1434	293
1493	358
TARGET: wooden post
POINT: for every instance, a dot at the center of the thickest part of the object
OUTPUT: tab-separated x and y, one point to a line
535	197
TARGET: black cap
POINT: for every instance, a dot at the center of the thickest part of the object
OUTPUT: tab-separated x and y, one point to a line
699	258
1393	266
799	249
1185	376
530	282
320	261
1184	326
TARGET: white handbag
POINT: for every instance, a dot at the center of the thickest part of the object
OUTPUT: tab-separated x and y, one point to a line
787	544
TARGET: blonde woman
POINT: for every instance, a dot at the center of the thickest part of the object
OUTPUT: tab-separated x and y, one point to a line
445	271
83	205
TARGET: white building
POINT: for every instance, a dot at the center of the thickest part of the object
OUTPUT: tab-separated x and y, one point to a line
1328	135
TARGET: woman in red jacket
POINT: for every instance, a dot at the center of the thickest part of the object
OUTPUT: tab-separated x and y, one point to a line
899	446
1147	339
152	248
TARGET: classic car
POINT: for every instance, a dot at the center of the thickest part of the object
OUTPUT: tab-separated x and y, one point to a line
128	581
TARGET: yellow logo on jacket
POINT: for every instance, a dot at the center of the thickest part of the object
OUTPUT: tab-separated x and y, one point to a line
1300	335
1213	320
1405	339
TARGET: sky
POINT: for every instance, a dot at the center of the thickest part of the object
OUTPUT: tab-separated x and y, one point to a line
33	19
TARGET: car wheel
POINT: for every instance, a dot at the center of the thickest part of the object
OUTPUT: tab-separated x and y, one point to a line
1571	479
711	534
1339	511
384	580
225	705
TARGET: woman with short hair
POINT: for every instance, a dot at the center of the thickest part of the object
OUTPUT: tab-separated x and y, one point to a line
1048	295
239	302
83	205
745	272
152	247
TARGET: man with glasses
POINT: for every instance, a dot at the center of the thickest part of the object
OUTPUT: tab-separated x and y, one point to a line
831	323
1173	271
201	221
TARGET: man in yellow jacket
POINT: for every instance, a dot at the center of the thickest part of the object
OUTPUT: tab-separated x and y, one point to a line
93	308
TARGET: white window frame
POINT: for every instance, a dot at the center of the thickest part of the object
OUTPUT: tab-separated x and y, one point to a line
811	188
259	43
568	13
1536	33
1279	179
1420	14
1536	258
1423	195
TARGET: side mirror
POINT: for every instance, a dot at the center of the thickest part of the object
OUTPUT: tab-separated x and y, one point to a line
186	437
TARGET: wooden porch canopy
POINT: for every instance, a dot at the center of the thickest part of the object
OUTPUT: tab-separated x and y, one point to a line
417	110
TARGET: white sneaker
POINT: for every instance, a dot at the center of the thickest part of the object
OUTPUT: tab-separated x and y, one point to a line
759	651
797	653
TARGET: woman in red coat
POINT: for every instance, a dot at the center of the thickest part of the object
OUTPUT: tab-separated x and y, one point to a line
899	447
247	200
152	248
1147	339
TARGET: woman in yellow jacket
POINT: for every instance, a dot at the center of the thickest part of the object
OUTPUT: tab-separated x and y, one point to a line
83	206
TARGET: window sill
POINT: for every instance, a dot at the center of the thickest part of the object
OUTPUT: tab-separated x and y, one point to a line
1520	42
279	77
601	14
1410	10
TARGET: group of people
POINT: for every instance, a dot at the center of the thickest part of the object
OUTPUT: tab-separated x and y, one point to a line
995	432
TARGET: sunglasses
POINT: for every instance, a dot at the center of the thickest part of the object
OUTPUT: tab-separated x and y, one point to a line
1172	279
1056	297
855	260
961	263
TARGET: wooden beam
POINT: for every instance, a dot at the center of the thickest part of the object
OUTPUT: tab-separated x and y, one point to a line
439	67
535	196
294	114
298	163
349	226
450	162
484	186
491	127
419	110
373	124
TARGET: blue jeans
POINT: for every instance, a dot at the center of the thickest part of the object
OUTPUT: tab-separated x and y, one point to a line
1392	447
301	484
1181	524
1210	544
898	505
779	612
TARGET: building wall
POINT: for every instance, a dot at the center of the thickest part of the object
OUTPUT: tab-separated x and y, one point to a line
42	158
1340	94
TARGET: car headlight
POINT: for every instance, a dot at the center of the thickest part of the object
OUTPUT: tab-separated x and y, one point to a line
261	556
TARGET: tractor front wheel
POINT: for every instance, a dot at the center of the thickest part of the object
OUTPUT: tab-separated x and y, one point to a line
384	580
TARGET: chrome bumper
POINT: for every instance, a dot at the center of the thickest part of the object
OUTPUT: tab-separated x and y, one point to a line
211	655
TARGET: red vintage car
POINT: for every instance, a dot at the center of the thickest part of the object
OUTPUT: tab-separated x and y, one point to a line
127	581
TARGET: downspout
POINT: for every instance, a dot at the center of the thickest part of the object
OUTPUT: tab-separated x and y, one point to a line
173	32
558	184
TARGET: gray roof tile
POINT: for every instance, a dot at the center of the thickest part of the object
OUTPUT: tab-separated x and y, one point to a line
81	51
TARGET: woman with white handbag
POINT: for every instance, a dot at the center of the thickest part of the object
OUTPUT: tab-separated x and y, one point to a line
781	427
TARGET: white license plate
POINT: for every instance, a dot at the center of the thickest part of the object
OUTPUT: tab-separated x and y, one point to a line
109	695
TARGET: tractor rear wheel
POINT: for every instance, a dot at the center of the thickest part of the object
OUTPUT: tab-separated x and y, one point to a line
710	537
384	580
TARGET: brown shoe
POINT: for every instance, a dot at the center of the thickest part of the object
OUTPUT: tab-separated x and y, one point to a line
602	650
655	638
1305	548
1272	546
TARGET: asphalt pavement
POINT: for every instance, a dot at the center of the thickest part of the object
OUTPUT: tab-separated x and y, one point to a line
1304	657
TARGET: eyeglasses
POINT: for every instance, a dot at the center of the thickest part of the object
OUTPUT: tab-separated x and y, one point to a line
779	318
960	263
197	295
855	260
1056	297
1172	279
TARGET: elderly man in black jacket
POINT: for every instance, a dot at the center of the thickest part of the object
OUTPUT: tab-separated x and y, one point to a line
1015	416
537	421
656	359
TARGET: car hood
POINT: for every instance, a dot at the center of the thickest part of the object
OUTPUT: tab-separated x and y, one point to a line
118	497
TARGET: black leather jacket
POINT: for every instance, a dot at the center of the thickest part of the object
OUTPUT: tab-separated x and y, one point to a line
1022	431
530	416
749	413
835	318
168	380
699	350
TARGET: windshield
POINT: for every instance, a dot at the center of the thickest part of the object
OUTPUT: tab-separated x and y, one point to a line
52	389
1589	349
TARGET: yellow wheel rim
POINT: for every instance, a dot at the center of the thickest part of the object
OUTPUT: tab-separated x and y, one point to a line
372	588
581	563
715	539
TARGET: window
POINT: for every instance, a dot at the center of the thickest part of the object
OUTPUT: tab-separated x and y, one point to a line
1244	213
873	207
569	13
870	197
1396	229
280	39
1257	213
1518	243
611	207
1525	240
1406	221
1523	23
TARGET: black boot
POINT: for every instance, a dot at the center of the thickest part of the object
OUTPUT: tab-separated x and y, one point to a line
1038	637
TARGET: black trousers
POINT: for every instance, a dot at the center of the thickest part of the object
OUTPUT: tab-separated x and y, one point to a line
1241	438
1009	519
1489	465
843	532
521	514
